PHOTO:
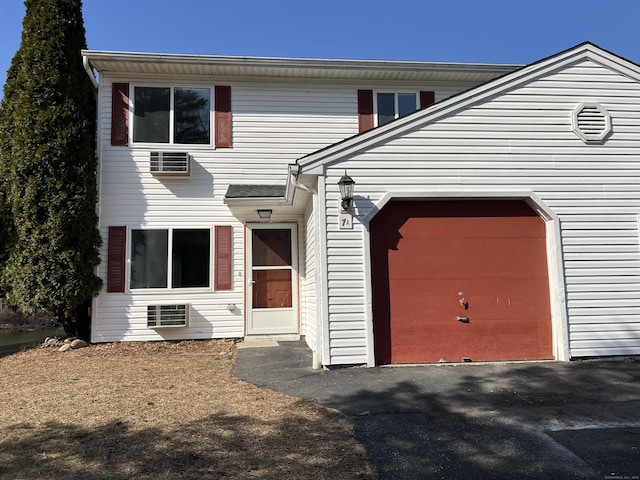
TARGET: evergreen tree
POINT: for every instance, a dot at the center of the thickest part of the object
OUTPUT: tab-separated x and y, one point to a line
48	166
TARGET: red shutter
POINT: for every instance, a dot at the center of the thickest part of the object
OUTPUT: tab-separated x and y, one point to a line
224	252
223	117
116	257
427	98
365	110
120	114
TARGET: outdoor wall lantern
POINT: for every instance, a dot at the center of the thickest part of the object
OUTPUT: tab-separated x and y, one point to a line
346	184
265	214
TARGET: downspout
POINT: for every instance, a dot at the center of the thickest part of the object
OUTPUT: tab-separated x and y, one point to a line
321	265
89	70
294	171
94	82
317	354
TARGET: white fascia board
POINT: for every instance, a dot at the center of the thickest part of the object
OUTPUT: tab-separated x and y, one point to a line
257	201
614	62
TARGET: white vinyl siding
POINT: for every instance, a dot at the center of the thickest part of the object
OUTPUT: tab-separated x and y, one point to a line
270	131
519	141
308	280
273	124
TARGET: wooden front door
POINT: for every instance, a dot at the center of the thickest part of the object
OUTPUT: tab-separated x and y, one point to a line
460	281
272	290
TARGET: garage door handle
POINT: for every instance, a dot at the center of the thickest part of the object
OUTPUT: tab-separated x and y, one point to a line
462	319
463	302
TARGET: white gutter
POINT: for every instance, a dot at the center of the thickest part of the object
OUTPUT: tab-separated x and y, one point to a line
295	62
297	68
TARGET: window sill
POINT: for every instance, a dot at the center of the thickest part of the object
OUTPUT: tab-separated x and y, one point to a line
172	147
170	291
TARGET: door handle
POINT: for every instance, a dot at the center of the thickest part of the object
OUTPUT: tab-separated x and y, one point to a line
463	303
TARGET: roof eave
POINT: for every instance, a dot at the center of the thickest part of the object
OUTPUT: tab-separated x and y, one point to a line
136	62
96	55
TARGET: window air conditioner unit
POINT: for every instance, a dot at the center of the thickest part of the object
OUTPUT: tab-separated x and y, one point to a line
170	163
160	316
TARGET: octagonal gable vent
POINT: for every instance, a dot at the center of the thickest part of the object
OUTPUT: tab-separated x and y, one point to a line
591	122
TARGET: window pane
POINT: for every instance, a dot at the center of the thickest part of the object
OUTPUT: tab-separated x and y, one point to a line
149	253
271	247
406	104
192	115
271	289
151	119
386	108
190	258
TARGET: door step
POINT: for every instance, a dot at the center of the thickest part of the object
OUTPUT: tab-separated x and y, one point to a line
257	341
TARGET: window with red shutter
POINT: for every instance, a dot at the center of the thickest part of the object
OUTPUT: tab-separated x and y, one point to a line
171	115
223	258
116	258
365	110
427	98
386	106
120	114
170	258
223	131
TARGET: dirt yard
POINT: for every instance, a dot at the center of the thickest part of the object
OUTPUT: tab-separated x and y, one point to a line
161	411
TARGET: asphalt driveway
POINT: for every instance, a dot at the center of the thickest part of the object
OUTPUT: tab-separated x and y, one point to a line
578	420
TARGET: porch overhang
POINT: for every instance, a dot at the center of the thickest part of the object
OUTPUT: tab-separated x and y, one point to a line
244	200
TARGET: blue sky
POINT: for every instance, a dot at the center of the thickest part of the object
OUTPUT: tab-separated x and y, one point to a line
485	31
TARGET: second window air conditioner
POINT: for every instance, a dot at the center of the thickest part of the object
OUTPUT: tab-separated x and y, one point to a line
170	163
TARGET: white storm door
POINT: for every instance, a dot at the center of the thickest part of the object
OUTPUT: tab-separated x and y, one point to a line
272	289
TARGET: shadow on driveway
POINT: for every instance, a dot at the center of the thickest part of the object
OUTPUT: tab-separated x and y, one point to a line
577	420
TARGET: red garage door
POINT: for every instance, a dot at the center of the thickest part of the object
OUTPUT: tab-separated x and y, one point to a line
459	280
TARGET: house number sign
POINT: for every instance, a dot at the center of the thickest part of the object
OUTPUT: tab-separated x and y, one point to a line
346	221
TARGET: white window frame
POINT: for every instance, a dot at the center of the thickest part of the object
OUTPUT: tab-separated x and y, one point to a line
172	88
169	288
395	102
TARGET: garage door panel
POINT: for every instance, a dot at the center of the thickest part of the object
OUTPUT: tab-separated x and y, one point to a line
520	339
467	258
472	227
494	253
482	299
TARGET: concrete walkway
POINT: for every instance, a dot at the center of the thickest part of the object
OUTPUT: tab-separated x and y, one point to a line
578	420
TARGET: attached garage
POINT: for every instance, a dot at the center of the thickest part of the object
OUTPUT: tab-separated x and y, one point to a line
498	224
459	281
